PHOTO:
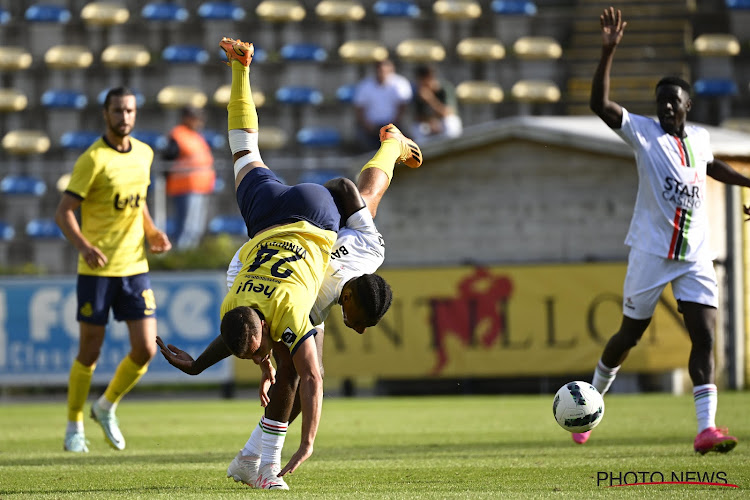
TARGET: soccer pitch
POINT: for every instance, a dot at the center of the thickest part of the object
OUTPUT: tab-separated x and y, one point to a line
420	447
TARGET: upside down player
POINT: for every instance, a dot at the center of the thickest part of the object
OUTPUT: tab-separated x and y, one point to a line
359	251
267	471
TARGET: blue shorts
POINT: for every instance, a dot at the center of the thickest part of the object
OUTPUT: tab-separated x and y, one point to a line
265	201
129	298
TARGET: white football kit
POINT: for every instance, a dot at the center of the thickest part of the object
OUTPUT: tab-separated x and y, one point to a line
667	234
359	249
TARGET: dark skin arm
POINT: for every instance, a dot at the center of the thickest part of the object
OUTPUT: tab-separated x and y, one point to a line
215	352
723	172
612	30
346	195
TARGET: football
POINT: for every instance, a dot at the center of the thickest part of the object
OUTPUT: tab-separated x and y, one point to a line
578	407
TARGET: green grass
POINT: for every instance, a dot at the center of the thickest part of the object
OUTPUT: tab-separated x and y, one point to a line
415	448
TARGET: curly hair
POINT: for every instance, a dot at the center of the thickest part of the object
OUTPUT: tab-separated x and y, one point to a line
239	327
374	296
674	80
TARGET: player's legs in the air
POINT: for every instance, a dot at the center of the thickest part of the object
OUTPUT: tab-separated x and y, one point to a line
242	116
375	176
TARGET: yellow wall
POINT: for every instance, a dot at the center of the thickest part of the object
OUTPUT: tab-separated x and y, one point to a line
499	321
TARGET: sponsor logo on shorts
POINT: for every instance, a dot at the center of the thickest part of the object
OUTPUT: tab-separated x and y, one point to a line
288	337
87	309
629	304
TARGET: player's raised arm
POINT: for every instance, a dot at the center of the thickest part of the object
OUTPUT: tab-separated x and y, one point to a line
613	28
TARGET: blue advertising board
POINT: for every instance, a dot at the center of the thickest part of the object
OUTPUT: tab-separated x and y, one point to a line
39	331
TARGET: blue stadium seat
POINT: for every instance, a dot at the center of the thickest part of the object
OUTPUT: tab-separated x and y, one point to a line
222	11
7	232
319	137
231	224
165	12
299	95
185	54
43	228
715	87
79	139
43	13
319	176
303	52
64	99
396	8
259	55
514	7
345	93
156	140
140	99
214	139
738	4
22	185
4	16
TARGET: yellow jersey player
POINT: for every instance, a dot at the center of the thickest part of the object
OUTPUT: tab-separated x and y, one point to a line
109	183
292	230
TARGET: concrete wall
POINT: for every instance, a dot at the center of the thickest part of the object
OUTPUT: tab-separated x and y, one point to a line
515	201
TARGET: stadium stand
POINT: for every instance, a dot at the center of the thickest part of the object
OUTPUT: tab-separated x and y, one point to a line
50	251
396	20
21	195
536	96
104	23
481	55
420	51
46	26
340	18
478	101
512	18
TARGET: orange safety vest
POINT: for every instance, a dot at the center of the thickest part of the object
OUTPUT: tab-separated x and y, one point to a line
193	170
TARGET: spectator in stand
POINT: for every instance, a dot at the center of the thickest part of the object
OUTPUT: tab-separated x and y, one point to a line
435	107
380	100
190	178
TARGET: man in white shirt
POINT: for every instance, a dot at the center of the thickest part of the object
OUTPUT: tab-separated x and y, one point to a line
380	100
668	232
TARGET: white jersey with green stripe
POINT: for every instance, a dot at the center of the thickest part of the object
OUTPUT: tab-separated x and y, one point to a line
670	218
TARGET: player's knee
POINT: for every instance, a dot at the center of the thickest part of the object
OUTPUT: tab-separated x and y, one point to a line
703	342
628	339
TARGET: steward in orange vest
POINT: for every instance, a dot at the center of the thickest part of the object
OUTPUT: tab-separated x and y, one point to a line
193	167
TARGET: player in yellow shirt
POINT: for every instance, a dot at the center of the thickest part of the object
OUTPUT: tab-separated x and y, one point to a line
109	183
292	230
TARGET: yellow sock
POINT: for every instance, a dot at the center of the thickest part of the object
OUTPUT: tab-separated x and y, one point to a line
126	376
79	383
385	158
241	107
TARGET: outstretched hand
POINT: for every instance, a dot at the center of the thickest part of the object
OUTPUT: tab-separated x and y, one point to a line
613	27
177	357
302	454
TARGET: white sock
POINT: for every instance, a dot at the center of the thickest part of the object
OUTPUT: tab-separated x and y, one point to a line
274	434
105	404
706	400
603	377
76	426
254	445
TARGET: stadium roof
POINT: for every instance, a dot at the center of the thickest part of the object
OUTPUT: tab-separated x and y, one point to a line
588	133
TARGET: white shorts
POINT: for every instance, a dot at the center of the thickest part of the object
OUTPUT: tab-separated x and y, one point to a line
648	274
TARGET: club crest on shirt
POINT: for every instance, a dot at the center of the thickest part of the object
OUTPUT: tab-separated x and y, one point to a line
288	337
